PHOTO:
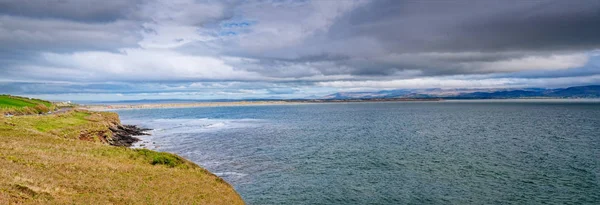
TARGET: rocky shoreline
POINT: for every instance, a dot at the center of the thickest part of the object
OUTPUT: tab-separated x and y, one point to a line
123	135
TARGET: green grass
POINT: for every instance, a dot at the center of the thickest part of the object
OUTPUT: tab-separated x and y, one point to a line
22	106
8	101
44	125
50	159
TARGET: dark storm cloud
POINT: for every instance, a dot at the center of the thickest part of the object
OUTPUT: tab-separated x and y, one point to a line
75	10
441	26
67	25
553	25
29	37
457	33
385	38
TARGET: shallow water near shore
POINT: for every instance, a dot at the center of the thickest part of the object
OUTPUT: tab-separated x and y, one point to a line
452	152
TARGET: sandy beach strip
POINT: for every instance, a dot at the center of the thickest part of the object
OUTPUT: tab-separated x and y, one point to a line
184	105
246	103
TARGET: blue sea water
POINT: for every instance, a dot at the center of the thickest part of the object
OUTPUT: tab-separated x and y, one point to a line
450	152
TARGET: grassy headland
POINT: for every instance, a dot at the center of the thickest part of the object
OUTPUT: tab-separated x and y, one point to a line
15	105
65	159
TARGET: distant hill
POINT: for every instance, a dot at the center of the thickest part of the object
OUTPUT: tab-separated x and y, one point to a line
363	95
502	94
591	91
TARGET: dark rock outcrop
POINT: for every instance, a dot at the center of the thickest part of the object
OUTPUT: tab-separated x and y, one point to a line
123	135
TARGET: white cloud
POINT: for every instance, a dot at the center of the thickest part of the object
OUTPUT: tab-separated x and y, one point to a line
286	25
170	24
452	82
552	62
418	83
477	62
147	64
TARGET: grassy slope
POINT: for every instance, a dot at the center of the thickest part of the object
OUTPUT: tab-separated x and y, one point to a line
17	102
21	105
44	160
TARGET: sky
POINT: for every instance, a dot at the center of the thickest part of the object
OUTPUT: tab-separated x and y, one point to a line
191	49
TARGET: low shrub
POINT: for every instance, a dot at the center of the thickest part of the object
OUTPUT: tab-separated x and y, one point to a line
41	109
162	158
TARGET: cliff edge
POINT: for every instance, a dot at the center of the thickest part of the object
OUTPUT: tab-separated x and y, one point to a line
67	159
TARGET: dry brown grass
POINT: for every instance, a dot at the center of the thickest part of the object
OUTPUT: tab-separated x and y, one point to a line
43	161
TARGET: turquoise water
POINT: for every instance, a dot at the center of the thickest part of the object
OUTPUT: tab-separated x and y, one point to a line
471	152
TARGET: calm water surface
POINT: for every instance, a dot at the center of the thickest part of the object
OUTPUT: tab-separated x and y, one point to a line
470	152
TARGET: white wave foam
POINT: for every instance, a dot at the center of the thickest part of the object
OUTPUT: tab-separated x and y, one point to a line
177	126
235	174
216	125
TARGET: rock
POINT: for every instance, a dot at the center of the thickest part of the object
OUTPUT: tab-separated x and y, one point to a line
123	135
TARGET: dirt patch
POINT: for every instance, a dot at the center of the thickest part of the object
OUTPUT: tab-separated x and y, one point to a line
94	136
26	192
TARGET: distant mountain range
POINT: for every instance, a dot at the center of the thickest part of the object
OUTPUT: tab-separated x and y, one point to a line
591	91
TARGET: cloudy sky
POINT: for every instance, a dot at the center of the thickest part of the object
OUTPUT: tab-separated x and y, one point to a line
191	49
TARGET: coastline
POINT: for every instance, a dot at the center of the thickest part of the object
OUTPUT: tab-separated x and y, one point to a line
80	157
110	107
131	137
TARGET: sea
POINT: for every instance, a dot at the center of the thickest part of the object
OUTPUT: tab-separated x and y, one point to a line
446	152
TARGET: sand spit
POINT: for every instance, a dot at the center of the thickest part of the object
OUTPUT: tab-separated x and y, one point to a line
245	103
182	105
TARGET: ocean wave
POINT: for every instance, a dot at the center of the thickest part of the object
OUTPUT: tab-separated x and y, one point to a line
194	125
216	125
230	174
